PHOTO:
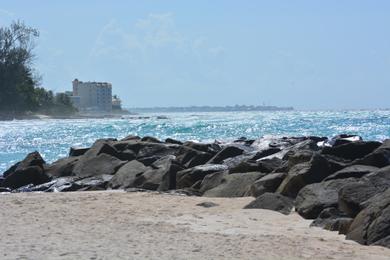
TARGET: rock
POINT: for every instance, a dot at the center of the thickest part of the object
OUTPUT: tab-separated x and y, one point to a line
101	146
353	150
296	157
148	149
211	181
268	183
303	174
62	167
188	177
353	195
343	139
173	141
97	165
150	139
305	144
161	176
99	182
77	151
131	138
379	157
356	171
272	201
4	189
336	163
148	161
190	157
207	148
266	165
126	155
127	174
27	175
226	152
372	224
265	153
234	185
207	204
380	178
314	198
334	220
32	159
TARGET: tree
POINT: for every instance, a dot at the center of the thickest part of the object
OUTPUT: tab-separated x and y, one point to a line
17	81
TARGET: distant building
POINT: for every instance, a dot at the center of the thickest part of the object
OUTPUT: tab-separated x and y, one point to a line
116	103
92	96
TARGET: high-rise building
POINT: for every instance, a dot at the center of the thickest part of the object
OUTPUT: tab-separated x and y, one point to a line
92	96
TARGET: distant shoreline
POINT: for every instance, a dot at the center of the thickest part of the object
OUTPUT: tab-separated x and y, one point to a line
209	109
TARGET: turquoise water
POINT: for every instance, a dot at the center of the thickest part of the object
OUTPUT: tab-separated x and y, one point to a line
52	137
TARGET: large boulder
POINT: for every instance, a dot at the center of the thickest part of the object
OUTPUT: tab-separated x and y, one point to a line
334	220
27	175
356	171
380	157
161	176
211	181
98	182
314	198
148	149
97	165
226	152
372	224
189	177
190	157
78	151
343	139
127	174
32	159
212	148
266	165
353	195
272	201
268	183
62	167
352	150
234	185
303	174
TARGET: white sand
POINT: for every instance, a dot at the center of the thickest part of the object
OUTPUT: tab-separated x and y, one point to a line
119	225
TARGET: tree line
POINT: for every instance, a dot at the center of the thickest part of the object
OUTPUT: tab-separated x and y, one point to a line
19	83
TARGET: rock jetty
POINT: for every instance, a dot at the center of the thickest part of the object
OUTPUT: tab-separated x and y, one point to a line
342	183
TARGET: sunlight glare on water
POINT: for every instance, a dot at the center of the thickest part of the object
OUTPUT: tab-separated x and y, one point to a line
53	137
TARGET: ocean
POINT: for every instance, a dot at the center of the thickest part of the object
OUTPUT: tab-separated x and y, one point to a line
53	137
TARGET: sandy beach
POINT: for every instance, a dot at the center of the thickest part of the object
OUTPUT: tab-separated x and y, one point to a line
122	225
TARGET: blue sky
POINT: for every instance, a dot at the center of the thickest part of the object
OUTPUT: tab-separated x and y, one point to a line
307	54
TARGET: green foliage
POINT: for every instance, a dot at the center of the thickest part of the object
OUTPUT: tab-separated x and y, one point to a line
18	83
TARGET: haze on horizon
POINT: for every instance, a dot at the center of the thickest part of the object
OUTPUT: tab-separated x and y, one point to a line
305	54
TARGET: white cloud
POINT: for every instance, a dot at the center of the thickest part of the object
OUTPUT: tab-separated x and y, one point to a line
4	12
147	34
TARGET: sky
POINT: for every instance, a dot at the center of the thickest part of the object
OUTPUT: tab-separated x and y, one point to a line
332	54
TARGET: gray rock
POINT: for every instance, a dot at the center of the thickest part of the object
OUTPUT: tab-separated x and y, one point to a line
268	183
98	165
27	175
188	177
372	224
127	174
234	185
314	198
303	174
272	201
355	171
